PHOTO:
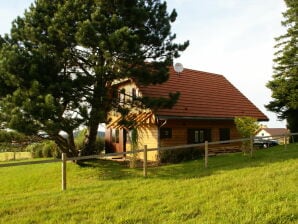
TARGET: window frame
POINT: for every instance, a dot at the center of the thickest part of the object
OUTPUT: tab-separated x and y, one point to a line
224	134
199	135
165	133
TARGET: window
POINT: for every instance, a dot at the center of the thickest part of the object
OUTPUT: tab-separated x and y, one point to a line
198	135
224	134
165	133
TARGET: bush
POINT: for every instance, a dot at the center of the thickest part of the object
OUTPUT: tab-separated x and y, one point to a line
100	144
35	149
44	149
109	147
180	155
56	153
81	138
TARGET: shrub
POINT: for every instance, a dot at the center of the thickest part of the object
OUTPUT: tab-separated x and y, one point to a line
109	147
44	149
81	138
100	144
246	126
35	149
180	155
56	153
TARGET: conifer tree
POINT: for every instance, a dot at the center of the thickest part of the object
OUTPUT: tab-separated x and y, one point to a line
59	62
284	85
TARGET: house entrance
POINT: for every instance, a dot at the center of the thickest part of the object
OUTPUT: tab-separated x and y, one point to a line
118	140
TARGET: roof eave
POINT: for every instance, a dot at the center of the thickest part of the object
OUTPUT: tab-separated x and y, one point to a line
171	117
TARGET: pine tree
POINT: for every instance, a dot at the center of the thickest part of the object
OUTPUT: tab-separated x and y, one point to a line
61	58
284	85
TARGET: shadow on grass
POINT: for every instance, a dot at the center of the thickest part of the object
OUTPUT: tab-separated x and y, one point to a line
233	161
109	170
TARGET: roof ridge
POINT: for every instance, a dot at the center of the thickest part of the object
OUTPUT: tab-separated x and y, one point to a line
196	71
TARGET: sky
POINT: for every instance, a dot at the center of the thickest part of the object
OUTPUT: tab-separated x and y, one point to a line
234	38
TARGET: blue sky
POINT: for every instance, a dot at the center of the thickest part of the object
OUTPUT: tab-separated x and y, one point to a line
234	38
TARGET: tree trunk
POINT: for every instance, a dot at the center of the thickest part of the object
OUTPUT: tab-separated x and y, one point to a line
95	118
64	146
98	112
90	148
71	144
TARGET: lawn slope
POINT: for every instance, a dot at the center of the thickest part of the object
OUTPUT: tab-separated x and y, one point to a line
233	189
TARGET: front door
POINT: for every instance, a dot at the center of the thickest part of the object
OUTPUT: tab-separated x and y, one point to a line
117	140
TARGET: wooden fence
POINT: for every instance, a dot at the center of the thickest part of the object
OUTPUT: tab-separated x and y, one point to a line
145	150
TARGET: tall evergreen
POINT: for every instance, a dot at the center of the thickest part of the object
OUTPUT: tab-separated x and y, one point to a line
284	85
59	62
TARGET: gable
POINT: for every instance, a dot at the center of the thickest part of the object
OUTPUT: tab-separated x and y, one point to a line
262	133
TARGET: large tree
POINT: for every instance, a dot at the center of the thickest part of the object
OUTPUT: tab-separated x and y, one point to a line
284	85
60	60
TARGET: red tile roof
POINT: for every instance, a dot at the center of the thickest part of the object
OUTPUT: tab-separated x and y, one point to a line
203	95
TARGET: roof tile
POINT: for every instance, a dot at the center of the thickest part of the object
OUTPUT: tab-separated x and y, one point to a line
203	95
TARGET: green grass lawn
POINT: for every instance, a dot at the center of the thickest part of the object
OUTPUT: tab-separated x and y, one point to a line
233	189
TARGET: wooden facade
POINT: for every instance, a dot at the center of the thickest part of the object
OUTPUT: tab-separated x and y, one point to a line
197	131
173	132
147	136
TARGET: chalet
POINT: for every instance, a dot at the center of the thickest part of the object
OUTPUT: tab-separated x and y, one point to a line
206	109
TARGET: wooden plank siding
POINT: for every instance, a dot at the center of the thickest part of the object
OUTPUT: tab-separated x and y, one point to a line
147	136
180	127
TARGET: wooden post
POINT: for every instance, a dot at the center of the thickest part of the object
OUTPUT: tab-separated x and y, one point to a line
145	161
64	158
285	140
206	154
251	145
14	149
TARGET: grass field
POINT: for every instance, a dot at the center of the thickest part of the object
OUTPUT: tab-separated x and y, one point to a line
234	189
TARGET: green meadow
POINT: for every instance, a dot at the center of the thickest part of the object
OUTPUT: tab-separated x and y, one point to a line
233	189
